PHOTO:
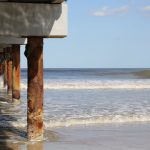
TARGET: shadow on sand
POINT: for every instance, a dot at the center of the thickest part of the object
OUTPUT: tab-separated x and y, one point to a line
8	133
12	138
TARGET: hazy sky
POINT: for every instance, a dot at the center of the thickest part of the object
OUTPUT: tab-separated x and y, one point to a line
102	33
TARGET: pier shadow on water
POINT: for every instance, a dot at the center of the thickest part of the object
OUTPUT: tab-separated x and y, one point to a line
14	137
9	135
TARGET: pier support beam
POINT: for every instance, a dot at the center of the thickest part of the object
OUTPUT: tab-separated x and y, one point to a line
15	73
5	70
34	54
9	71
1	64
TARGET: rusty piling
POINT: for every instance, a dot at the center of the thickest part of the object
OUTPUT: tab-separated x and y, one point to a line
1	64
34	54
5	71
9	71
15	73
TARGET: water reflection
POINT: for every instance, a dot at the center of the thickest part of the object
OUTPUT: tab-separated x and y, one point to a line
35	146
9	146
22	146
15	146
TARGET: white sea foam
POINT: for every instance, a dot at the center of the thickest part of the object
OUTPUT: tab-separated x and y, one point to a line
81	121
98	120
104	84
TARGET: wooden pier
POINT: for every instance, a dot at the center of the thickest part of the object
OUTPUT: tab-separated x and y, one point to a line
28	22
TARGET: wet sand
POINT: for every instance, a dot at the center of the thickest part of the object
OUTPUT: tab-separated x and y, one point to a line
103	137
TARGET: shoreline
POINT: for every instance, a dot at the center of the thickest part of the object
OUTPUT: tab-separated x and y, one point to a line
129	136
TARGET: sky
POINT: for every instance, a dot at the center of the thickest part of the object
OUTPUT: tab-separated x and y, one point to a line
102	34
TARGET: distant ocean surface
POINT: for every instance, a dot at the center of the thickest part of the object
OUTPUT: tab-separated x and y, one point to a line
74	97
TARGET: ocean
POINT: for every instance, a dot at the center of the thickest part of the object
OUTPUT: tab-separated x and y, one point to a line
85	97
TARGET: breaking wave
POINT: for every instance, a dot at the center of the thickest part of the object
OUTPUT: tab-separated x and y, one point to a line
82	121
98	120
97	84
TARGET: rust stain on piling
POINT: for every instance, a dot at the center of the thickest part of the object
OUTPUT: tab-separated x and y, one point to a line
34	54
16	72
1	63
16	94
9	71
5	70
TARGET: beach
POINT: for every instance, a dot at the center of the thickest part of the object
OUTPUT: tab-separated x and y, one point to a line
106	137
107	109
78	86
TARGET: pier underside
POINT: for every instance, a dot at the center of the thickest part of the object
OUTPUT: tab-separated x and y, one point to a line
28	19
33	20
35	1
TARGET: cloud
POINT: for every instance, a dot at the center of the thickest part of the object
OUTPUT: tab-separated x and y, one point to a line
146	11
146	8
102	12
107	11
